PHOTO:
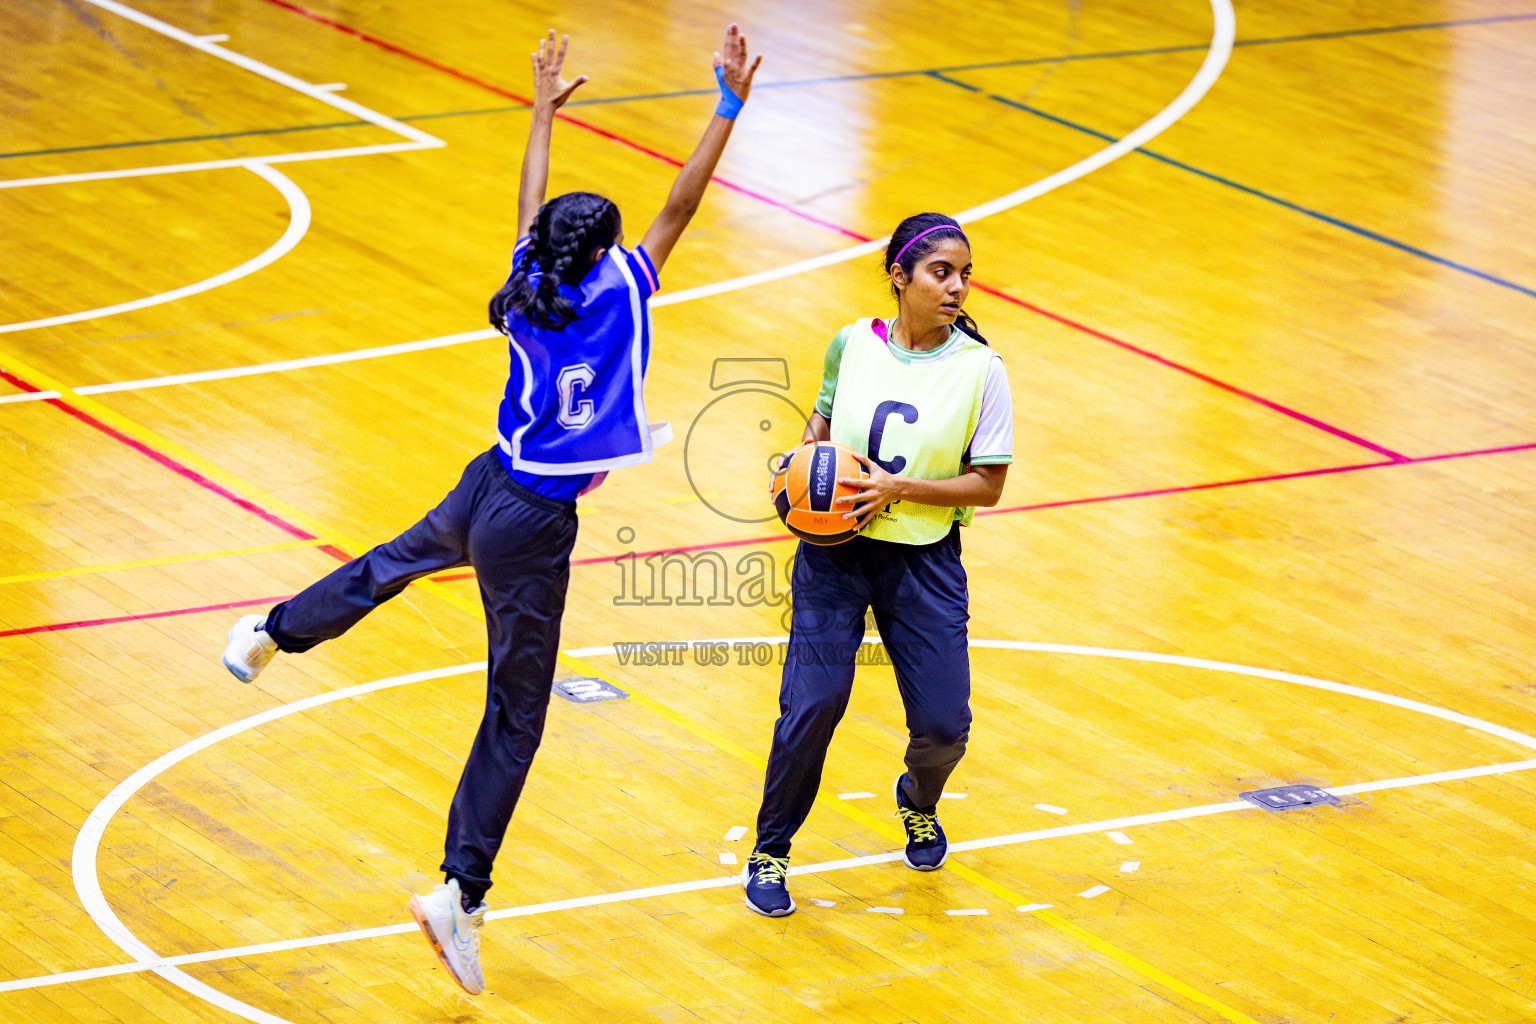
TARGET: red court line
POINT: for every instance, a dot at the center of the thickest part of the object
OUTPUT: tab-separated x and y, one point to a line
464	76
602	559
186	472
1481	451
1065	503
1191	371
83	623
1188	488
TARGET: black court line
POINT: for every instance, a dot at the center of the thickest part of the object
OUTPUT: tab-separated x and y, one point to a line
801	82
1269	197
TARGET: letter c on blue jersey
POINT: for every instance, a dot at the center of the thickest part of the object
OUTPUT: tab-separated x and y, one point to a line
573	382
883	412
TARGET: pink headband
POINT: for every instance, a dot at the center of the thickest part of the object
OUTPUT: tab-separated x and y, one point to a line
920	234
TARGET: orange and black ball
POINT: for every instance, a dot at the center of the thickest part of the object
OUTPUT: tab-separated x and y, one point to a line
805	488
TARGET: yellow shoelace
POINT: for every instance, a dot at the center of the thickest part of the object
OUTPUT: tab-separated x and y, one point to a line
924	828
768	868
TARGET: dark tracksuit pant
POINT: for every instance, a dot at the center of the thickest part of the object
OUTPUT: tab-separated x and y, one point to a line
520	545
920	601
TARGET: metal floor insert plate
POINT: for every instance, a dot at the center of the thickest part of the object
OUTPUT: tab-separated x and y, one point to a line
1286	798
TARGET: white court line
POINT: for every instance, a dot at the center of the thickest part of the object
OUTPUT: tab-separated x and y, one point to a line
207	45
88	886
1223	31
298	224
630	895
214	165
298	205
29	396
83	860
83	866
288	364
417	139
1406	704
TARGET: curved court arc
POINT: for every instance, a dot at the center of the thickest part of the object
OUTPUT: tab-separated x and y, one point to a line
84	860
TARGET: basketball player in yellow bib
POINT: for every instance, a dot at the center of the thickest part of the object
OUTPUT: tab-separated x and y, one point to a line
925	401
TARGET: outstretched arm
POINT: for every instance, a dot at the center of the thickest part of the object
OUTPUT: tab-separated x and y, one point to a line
550	92
735	76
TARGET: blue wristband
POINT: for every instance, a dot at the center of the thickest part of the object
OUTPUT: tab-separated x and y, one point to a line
730	104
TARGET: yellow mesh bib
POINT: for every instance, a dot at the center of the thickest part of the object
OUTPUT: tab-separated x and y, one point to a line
914	419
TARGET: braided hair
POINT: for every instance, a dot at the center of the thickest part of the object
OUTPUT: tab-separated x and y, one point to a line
940	228
563	237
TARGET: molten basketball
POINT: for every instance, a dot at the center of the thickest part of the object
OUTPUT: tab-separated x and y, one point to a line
804	488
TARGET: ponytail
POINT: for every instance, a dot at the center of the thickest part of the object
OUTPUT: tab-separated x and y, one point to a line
516	294
968	327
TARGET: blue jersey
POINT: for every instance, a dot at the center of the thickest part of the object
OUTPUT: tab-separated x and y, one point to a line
574	403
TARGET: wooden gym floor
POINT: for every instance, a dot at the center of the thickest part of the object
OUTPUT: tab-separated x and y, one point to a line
1270	520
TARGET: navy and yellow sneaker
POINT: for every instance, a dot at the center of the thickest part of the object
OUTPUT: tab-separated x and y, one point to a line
762	877
927	849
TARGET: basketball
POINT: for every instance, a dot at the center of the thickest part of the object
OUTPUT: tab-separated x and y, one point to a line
804	488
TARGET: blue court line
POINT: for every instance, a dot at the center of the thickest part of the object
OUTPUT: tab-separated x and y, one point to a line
799	82
1363	232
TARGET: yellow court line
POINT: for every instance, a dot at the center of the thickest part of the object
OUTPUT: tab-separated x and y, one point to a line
239	486
146	563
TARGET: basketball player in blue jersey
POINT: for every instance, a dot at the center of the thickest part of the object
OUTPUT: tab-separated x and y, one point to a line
926	403
574	312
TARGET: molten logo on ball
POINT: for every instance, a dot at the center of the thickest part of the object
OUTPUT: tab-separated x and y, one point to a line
805	490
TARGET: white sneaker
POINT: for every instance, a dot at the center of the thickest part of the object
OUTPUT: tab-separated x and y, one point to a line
453	932
249	648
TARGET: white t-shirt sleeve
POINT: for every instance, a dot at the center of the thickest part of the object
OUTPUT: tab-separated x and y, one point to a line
992	444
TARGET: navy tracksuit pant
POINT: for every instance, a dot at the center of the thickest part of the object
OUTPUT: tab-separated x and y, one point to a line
520	545
920	600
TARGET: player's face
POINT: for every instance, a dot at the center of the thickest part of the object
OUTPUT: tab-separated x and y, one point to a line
940	282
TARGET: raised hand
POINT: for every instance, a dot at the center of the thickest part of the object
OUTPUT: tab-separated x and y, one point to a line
550	91
738	74
735	77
